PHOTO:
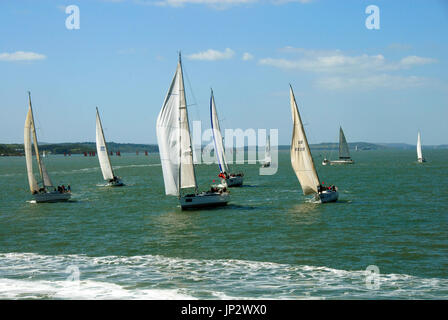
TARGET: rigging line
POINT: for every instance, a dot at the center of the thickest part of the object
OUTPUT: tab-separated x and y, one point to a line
190	87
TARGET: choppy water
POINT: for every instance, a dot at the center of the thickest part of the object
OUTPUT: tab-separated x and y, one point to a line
136	243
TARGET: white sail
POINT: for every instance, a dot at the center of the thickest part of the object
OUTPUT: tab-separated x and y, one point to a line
419	147
30	133
267	152
45	177
101	148
301	159
343	146
217	137
29	152
173	137
187	174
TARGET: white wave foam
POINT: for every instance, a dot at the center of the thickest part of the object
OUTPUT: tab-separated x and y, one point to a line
33	275
43	289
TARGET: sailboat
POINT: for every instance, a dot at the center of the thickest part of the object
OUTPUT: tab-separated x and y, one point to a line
176	152
267	153
103	156
43	190
420	158
302	161
231	179
344	153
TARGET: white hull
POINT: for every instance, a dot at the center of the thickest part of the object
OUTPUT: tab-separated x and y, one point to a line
204	199
421	160
336	162
327	196
52	197
235	181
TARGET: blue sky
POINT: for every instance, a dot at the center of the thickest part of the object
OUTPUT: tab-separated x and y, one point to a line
380	85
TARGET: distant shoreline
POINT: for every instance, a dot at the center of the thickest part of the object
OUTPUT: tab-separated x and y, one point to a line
87	147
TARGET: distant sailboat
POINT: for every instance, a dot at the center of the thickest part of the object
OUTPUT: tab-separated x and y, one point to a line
231	179
176	153
103	156
420	158
302	160
344	153
47	192
267	153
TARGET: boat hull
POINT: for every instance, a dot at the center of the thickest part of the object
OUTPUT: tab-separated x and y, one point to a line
52	197
266	165
328	196
117	183
421	160
336	162
235	181
204	200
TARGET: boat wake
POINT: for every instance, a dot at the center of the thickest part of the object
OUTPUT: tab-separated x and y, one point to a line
29	275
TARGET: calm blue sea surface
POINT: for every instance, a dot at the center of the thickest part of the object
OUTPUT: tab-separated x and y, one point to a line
270	242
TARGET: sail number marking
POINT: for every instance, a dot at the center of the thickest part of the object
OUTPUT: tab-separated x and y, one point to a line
300	147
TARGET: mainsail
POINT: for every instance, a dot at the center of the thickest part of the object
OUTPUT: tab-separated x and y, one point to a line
217	137
267	152
419	147
30	137
301	159
173	137
343	146
101	148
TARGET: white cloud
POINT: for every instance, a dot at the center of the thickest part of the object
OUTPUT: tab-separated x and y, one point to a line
212	55
414	60
247	56
372	82
21	56
337	62
337	70
332	63
216	3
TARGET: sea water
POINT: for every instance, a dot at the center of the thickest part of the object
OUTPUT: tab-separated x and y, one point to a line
270	242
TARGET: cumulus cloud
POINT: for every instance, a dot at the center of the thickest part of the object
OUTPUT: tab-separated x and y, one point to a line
372	82
212	55
337	62
21	56
338	70
216	3
247	56
414	61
